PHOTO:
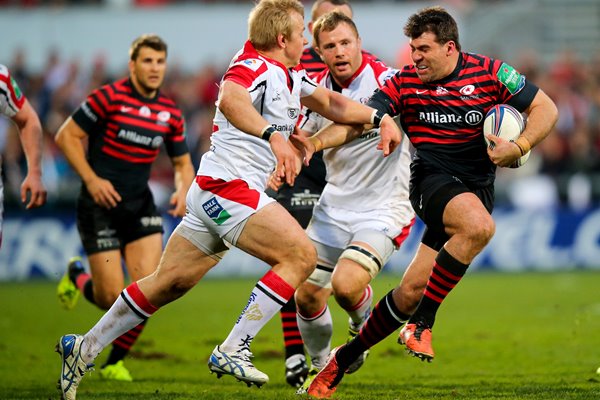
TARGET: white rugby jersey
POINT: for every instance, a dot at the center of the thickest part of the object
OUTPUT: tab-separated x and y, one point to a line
11	97
275	92
358	176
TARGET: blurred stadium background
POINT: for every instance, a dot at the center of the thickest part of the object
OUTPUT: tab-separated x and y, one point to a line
548	212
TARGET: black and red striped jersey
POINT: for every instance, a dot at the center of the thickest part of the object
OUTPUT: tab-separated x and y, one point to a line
444	119
126	131
312	63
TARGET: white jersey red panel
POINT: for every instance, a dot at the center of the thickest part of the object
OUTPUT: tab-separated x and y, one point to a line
11	97
275	92
358	176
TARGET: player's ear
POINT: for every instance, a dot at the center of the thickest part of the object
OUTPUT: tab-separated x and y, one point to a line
281	40
451	47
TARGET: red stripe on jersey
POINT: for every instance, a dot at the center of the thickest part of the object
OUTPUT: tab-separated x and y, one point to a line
398	240
134	122
125	157
140	299
311	62
278	285
18	101
96	106
236	190
133	148
244	76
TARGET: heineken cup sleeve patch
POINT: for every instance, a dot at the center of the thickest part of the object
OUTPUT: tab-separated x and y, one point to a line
510	78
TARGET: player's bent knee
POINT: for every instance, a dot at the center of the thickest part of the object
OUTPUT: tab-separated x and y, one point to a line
363	257
483	231
306	261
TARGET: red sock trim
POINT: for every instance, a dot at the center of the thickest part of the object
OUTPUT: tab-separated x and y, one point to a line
81	280
314	316
367	294
277	285
135	294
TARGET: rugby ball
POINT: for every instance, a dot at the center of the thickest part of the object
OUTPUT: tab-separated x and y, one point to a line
506	122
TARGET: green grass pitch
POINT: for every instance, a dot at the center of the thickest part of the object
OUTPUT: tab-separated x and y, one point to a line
497	336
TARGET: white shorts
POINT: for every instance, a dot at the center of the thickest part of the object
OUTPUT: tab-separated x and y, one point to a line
333	229
221	208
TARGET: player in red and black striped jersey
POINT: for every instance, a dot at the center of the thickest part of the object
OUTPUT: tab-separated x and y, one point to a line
126	123
441	100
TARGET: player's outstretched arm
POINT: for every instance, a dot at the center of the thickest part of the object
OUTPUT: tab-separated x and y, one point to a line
31	135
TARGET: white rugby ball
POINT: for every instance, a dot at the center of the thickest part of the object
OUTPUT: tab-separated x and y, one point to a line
506	122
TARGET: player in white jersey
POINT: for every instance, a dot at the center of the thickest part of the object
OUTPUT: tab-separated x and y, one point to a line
14	105
364	212
258	107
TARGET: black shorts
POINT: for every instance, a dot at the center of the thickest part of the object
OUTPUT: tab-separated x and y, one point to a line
299	200
429	195
101	229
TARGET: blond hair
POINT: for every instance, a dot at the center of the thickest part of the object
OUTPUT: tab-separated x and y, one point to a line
270	18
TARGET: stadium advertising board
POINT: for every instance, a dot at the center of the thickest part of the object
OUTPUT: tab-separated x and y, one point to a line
39	246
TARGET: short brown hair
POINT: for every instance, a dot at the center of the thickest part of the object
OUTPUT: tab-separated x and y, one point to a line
146	40
317	4
270	18
330	21
435	20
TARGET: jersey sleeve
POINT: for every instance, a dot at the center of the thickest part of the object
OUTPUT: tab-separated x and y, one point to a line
310	121
175	142
92	112
387	99
308	86
514	87
246	72
11	97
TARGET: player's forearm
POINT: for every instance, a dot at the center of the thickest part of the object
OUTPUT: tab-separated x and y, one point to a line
183	172
334	135
74	152
343	110
31	136
32	142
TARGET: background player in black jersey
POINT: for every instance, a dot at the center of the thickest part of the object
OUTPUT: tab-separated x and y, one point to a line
452	175
125	124
300	199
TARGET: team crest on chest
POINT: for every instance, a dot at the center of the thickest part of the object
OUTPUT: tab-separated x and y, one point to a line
145	111
163	116
293	113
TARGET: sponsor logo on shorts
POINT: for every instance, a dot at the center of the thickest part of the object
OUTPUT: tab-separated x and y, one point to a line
111	243
215	211
151	221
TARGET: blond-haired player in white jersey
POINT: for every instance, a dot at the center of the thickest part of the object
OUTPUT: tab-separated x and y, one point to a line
364	213
14	105
258	107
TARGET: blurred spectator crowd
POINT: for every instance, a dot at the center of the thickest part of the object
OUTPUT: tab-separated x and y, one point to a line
563	170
